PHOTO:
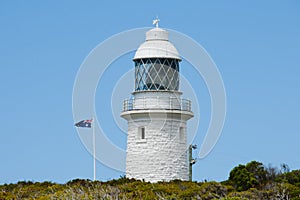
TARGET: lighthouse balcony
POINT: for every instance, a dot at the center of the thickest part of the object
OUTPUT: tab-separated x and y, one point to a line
157	103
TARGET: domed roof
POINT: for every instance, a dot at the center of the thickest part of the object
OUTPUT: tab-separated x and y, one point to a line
157	45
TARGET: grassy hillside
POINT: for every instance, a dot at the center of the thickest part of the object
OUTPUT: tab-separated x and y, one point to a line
250	181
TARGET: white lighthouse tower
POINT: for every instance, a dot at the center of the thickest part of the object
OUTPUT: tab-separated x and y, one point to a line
156	114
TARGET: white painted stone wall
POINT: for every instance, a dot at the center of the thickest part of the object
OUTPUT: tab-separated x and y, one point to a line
157	100
162	155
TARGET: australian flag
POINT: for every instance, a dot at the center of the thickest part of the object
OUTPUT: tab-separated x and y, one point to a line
84	123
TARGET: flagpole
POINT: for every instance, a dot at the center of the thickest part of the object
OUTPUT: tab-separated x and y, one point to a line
94	147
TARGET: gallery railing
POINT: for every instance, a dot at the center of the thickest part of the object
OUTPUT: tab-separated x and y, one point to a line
153	103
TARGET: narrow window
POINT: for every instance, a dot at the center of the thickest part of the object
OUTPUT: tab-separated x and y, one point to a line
141	133
181	134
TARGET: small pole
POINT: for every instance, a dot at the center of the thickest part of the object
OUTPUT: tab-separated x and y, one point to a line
94	147
190	163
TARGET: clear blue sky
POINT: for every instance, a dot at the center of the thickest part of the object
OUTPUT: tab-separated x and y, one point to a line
255	44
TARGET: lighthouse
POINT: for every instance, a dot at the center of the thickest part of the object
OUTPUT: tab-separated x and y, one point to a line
156	113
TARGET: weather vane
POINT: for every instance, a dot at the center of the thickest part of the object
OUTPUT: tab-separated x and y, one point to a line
155	22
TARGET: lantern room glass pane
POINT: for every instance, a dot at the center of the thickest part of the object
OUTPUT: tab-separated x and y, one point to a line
157	74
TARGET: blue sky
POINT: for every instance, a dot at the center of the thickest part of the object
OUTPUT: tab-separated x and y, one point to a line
255	45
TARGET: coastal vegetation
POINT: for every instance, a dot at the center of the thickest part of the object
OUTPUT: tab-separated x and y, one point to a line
250	181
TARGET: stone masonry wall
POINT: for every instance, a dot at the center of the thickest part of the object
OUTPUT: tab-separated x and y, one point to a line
162	155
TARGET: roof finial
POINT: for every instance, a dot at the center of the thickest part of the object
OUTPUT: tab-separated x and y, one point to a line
155	22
